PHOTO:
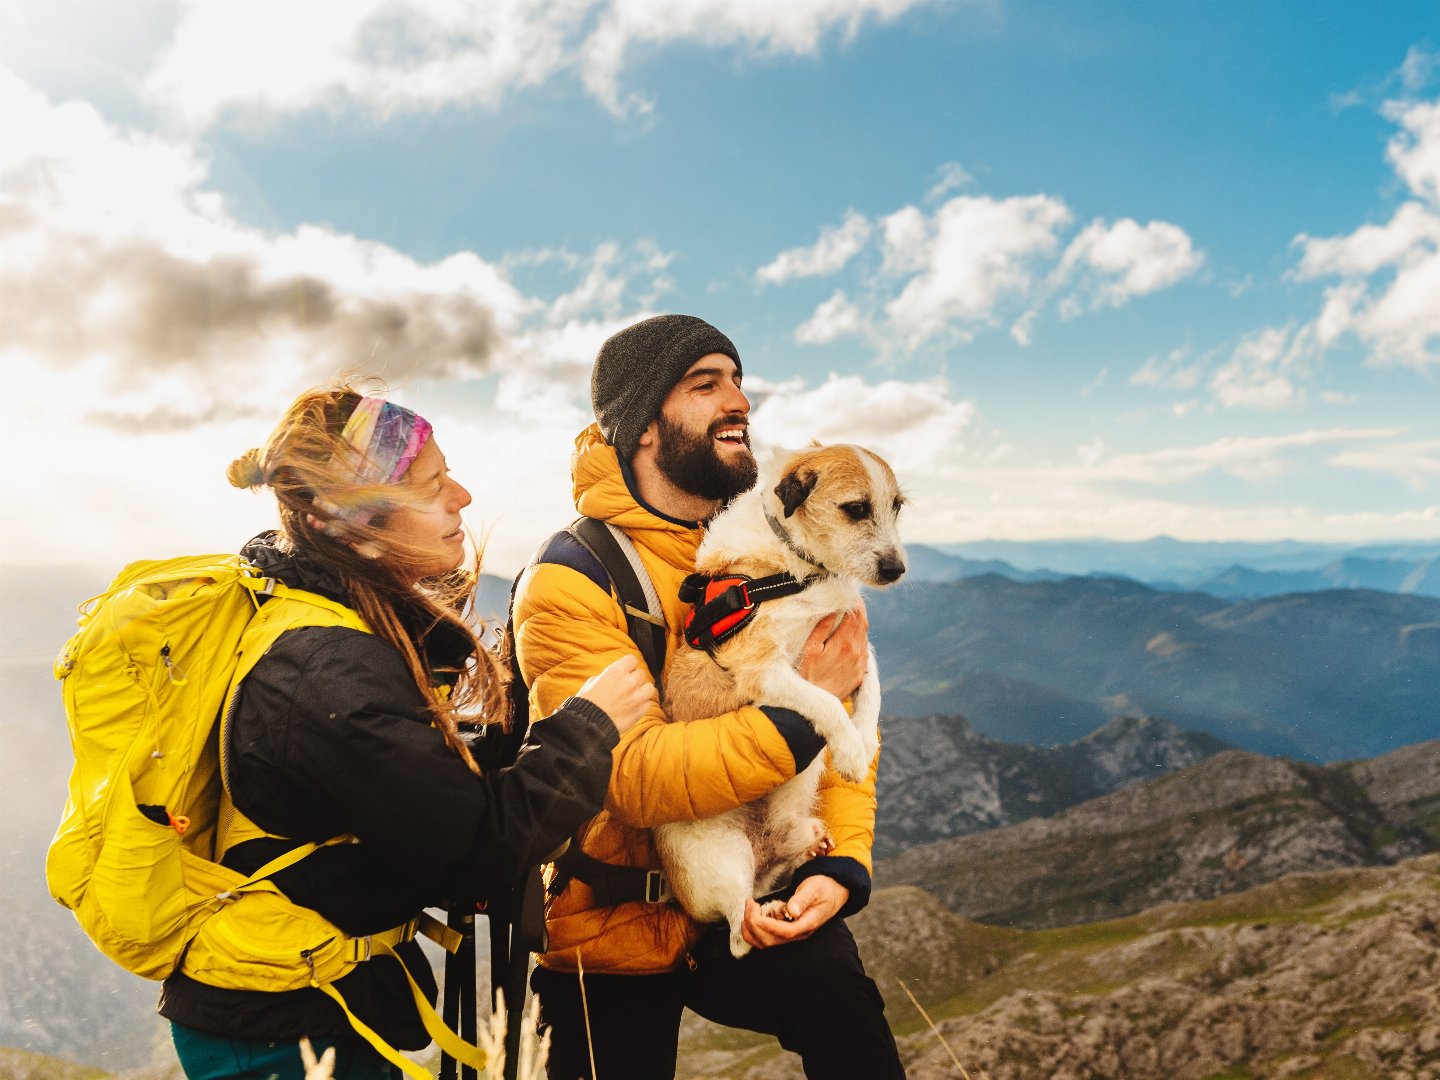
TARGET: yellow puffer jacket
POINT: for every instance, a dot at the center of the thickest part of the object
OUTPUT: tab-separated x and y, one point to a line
567	629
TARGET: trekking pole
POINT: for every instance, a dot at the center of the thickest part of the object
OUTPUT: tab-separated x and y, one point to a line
500	982
459	1003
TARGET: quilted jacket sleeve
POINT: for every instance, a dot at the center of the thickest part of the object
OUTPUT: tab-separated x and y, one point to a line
568	629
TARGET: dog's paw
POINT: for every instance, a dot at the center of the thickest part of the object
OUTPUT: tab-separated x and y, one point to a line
849	757
821	843
738	945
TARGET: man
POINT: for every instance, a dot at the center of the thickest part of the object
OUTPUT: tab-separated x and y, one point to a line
669	449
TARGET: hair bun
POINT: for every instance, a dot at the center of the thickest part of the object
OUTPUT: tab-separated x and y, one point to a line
246	471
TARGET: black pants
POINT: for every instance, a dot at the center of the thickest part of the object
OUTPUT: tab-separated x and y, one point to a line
813	995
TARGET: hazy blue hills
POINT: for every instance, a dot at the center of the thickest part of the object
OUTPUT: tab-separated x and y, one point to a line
1164	558
1229	571
1421	578
1325	676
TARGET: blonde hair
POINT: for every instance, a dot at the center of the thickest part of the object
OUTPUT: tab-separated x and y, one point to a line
312	472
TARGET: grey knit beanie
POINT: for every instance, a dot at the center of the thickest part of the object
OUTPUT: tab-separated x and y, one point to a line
638	367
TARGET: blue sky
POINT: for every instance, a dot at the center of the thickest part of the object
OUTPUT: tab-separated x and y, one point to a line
1082	269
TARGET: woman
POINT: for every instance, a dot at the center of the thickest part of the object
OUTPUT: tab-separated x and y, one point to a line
341	732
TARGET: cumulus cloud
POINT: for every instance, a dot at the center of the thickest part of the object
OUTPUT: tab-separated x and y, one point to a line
1389	274
974	253
975	260
835	318
1262	372
399	56
917	427
838	244
1117	261
121	263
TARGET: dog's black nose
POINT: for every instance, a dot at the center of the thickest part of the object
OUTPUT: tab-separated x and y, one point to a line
891	569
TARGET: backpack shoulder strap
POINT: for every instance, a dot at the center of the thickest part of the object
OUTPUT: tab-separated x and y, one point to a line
643	615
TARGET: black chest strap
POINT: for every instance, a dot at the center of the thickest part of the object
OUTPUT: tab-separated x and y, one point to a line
723	605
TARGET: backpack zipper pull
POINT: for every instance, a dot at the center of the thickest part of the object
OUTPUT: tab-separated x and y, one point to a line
175	672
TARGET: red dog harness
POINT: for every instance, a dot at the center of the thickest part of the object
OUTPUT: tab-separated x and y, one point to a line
723	605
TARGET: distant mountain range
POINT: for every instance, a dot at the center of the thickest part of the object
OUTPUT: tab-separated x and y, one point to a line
1164	558
1047	662
1272	572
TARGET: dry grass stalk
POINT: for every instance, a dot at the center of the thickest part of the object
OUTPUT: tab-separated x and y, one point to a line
492	1038
322	1068
534	1047
914	1001
585	1008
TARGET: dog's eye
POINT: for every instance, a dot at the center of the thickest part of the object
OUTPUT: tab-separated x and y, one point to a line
899	505
858	510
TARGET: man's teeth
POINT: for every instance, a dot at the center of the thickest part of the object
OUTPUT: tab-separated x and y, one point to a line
732	436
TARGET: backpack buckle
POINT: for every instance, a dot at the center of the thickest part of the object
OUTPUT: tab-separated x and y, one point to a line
657	888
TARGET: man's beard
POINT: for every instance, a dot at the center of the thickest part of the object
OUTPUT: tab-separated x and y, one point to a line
693	464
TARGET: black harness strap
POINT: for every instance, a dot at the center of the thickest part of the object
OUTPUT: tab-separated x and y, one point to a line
723	605
649	638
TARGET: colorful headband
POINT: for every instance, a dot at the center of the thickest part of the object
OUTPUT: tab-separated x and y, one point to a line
387	438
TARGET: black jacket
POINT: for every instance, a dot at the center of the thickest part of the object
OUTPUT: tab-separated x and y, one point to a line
330	735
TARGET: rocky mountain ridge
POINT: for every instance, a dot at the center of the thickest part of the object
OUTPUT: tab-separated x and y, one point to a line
1317	976
941	778
1234	821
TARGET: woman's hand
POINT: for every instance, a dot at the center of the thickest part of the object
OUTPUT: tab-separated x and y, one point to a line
836	655
624	690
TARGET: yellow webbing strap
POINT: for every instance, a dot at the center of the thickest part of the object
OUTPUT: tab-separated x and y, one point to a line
384	1049
438	932
290	858
465	1053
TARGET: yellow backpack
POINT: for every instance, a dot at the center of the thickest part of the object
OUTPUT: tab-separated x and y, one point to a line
156	658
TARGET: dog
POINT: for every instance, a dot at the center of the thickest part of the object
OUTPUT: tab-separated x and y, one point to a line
822	523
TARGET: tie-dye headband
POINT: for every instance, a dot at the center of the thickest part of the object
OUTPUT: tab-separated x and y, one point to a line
386	438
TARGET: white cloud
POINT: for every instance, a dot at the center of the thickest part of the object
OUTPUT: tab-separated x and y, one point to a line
399	56
973	254
835	318
1136	495
949	176
1246	456
974	261
1262	371
1177	370
1416	463
1389	274
1124	259
162	336
917	427
121	263
838	244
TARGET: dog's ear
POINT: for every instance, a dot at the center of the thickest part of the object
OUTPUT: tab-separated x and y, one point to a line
795	487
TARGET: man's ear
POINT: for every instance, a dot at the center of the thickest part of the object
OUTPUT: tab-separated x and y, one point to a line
795	487
650	434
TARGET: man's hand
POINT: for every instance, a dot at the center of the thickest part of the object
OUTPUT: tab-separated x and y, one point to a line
836	654
815	903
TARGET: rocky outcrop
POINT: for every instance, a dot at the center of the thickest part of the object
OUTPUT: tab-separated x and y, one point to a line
939	778
1316	975
1233	821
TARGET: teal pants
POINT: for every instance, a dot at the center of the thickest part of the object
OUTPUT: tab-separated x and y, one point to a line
214	1057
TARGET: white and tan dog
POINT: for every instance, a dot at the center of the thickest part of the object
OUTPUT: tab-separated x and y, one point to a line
826	516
